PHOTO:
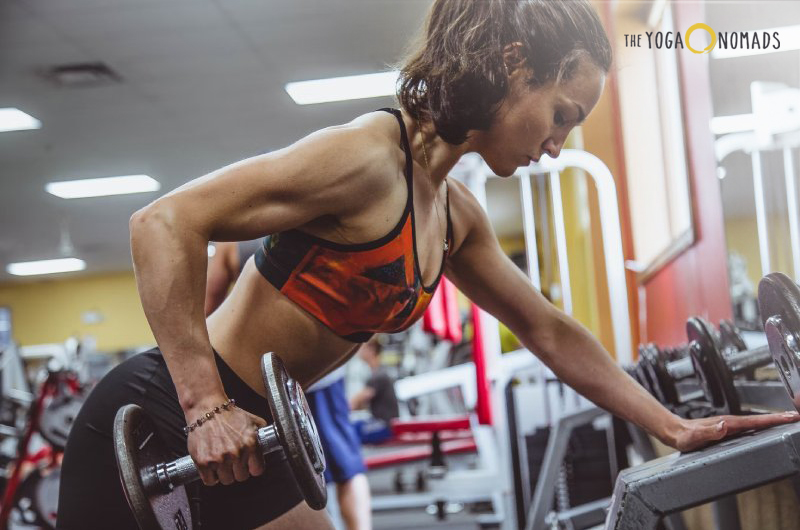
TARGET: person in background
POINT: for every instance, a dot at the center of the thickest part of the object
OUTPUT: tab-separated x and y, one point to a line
377	395
224	268
326	399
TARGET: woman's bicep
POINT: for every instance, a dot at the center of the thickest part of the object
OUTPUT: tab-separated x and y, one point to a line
279	190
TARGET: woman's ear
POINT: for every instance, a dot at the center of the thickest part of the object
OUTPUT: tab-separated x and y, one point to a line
513	58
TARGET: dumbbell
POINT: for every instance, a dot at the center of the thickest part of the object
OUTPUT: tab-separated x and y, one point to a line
662	375
779	303
716	371
155	488
658	375
663	370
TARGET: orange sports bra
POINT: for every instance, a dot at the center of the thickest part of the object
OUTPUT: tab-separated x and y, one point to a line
355	289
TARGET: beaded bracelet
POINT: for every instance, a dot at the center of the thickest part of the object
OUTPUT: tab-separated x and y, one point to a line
208	415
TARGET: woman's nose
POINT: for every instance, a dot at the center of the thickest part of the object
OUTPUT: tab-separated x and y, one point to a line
551	148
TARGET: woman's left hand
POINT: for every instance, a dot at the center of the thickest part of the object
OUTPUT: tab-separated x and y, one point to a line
695	434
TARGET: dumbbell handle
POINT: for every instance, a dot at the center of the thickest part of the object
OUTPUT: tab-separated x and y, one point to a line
740	361
737	362
165	476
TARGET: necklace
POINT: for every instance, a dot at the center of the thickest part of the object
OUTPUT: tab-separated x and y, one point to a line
445	245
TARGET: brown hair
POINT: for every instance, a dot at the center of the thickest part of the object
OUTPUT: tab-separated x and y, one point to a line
455	76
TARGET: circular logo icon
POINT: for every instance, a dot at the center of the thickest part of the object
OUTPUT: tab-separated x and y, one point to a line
710	31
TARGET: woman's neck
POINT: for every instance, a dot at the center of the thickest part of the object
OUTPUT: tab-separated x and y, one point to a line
426	143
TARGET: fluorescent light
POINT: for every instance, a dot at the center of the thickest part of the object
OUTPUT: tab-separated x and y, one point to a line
76	189
12	119
733	123
211	250
789	37
343	88
49	266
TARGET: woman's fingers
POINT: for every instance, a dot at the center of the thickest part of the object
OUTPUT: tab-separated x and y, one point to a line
762	421
226	450
704	431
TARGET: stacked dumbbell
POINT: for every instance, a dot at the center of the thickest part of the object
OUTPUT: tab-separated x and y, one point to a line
666	374
779	302
710	361
716	371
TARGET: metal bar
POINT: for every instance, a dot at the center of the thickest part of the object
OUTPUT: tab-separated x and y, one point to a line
645	493
761	214
529	228
726	513
551	464
794	216
543	195
561	240
644	446
586	515
770	395
612	242
519	458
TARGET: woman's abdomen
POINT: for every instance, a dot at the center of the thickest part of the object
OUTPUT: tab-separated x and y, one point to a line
256	318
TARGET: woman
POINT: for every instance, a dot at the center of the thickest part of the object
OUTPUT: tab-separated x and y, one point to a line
364	222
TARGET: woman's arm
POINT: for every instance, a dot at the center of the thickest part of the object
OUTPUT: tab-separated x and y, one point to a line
321	175
487	276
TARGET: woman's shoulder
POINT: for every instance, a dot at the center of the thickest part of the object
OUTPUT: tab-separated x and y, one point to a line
370	149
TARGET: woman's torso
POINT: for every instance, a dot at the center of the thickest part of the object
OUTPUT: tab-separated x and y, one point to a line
257	318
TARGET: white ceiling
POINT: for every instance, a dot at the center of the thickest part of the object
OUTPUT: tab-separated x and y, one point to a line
202	86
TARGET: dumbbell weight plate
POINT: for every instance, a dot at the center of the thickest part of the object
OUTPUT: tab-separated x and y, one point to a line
779	302
138	446
655	368
640	374
296	430
57	417
730	337
47	496
35	501
713	374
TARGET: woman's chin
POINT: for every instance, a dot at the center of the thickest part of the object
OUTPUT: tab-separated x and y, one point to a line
502	168
506	170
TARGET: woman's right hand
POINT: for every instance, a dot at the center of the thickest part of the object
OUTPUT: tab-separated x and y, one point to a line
225	448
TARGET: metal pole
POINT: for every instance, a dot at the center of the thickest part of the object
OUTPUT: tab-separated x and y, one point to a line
561	240
761	214
794	218
529	227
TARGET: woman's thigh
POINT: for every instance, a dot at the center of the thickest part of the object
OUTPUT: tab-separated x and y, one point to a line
301	517
91	490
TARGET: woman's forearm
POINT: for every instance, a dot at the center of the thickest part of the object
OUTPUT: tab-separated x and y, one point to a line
170	266
579	360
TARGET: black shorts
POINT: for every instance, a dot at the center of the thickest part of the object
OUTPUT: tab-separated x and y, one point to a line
91	495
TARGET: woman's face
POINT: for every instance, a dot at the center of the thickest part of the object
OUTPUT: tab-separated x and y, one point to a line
532	121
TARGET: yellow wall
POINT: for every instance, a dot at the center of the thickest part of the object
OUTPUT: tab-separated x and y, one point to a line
49	311
741	234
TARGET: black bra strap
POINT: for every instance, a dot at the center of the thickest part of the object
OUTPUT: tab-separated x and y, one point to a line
406	147
449	222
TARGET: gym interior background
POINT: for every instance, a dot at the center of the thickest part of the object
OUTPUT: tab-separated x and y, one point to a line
701	150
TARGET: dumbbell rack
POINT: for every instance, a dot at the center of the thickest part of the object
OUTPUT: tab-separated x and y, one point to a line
643	495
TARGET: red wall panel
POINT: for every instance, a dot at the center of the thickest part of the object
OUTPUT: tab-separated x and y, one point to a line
696	282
